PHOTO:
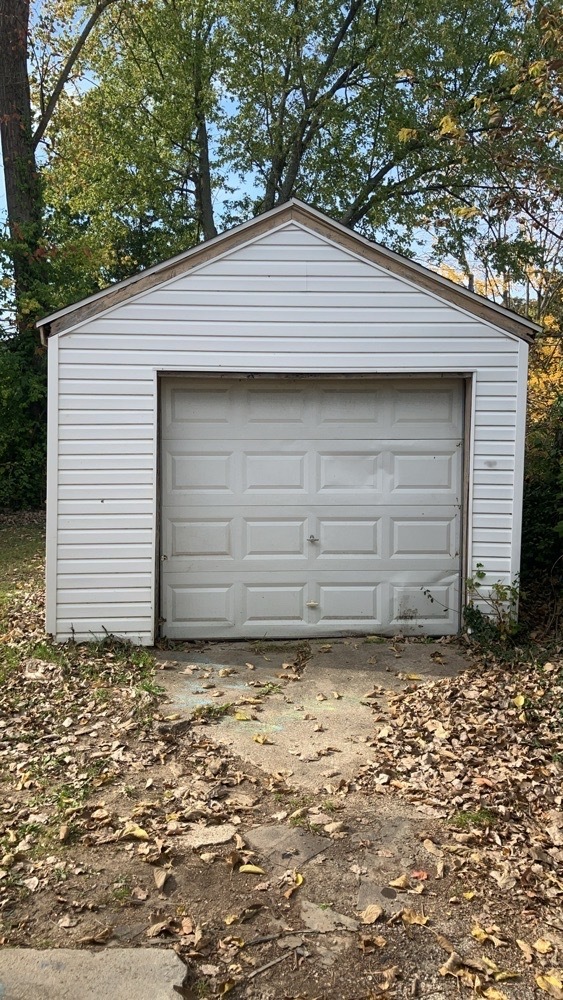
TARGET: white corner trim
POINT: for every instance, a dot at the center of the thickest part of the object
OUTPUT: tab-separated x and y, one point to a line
469	561
52	485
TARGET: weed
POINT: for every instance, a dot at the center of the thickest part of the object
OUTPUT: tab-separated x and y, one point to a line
270	688
481	817
210	712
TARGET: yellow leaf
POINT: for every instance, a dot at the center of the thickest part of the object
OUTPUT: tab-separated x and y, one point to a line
448	126
407	134
468	895
402	882
242	717
542	946
226	987
551	985
262	738
231	918
298	881
253	869
132	830
519	701
414	677
493	994
413	917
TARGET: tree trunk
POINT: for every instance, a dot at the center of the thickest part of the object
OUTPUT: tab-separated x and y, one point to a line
23	192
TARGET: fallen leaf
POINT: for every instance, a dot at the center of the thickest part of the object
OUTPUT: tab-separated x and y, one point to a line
337	695
262	739
321	697
160	877
131	829
369	944
542	946
526	950
519	701
298	881
252	869
371	914
493	994
432	848
552	985
402	882
242	717
484	935
409	916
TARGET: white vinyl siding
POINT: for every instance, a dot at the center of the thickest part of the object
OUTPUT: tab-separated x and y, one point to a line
286	302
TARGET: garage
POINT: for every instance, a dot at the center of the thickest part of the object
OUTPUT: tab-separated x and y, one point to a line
287	431
309	507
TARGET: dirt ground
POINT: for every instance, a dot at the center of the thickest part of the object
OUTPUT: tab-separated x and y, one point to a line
351	891
428	864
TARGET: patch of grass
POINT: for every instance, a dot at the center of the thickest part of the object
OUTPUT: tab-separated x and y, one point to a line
374	638
466	819
211	711
270	688
22	544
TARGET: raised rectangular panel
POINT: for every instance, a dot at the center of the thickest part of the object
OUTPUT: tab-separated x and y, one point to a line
277	471
354	602
193	603
272	406
278	602
413	604
200	405
419	536
203	538
425	407
201	473
274	537
345	471
351	537
422	471
339	405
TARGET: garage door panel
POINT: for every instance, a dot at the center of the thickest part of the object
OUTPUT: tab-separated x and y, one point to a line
199	604
274	471
316	507
207	473
426	415
424	538
265	601
280	537
426	604
349	602
426	471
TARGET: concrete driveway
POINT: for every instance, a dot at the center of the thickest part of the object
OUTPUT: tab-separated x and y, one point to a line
307	710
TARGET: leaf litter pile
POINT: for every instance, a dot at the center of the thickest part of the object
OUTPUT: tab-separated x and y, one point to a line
484	751
119	825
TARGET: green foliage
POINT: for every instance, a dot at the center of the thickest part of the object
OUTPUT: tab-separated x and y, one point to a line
543	495
22	425
491	612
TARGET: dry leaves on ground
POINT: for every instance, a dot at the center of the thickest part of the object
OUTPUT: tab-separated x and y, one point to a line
483	750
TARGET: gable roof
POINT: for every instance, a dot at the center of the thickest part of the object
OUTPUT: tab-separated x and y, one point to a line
291	211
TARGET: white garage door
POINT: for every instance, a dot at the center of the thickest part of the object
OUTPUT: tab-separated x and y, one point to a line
309	507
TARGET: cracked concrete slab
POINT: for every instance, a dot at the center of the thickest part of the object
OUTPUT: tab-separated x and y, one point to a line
66	974
285	847
312	725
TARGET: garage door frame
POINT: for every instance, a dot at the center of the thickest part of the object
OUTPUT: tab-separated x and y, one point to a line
467	378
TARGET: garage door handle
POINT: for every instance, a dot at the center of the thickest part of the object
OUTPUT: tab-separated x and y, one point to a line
312	604
312	538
